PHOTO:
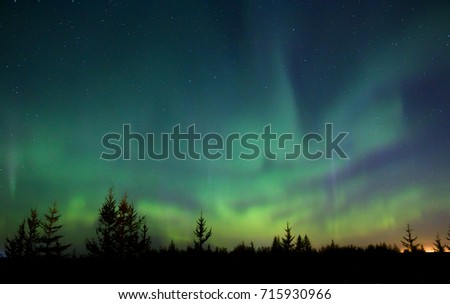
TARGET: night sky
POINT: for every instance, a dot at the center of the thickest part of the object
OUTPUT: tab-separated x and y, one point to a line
72	71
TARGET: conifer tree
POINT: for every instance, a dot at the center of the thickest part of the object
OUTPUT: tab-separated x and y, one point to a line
33	237
172	248
106	230
307	247
128	225
299	244
15	247
145	242
409	242
201	232
287	241
448	237
276	245
121	233
437	245
303	245
25	242
51	241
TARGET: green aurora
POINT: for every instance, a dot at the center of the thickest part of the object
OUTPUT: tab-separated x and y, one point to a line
74	71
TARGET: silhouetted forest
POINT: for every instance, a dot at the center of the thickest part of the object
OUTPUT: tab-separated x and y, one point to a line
121	252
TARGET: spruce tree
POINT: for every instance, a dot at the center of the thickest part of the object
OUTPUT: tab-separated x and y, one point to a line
287	241
15	247
409	242
276	245
437	245
105	246
33	237
299	244
145	242
201	232
121	233
25	242
128	226
51	241
172	248
131	231
448	237
303	245
307	247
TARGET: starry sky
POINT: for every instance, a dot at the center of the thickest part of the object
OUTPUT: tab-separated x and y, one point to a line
72	71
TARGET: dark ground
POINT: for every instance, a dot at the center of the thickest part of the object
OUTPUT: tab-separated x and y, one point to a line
204	268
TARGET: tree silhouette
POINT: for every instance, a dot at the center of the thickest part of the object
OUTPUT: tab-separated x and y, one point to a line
121	232
33	237
438	246
276	245
127	229
408	240
15	247
299	244
287	241
25	242
243	249
145	242
172	249
201	233
303	245
307	247
330	248
382	248
52	246
448	237
106	229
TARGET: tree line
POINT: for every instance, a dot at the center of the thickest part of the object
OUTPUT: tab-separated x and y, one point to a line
36	237
122	233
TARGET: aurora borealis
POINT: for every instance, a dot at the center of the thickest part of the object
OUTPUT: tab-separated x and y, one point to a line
72	71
